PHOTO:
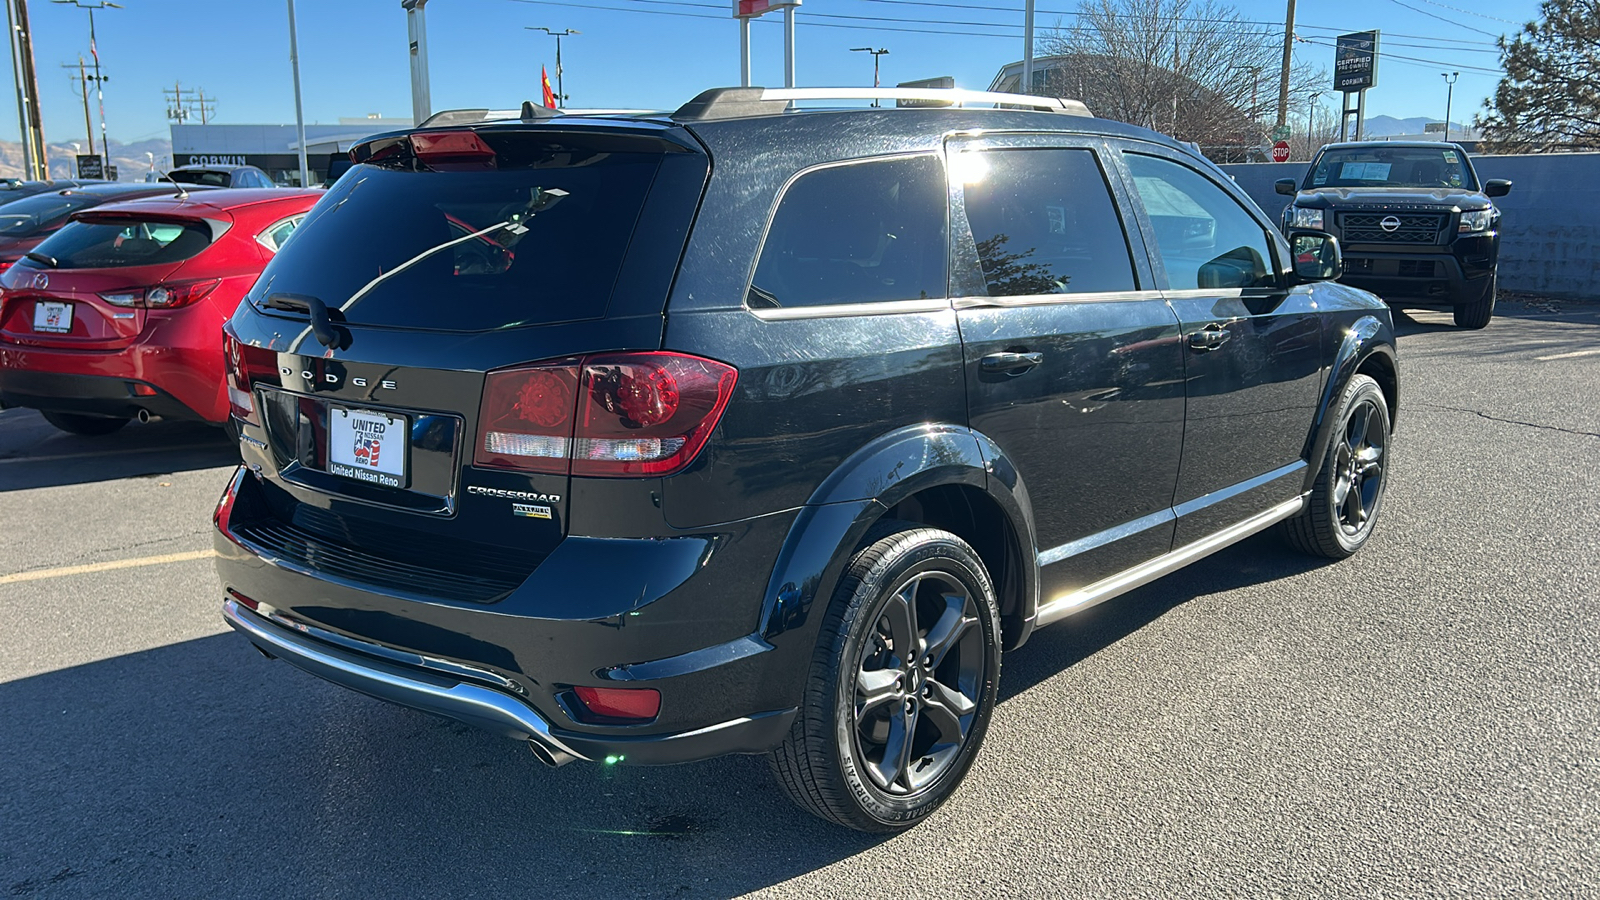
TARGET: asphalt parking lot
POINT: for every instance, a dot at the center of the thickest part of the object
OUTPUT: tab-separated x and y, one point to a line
1423	719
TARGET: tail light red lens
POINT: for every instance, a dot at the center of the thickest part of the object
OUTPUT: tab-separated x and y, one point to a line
452	148
244	363
163	296
614	414
621	703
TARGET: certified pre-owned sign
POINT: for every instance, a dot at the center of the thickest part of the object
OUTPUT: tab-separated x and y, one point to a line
1355	61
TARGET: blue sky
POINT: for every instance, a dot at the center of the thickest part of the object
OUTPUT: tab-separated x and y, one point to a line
641	53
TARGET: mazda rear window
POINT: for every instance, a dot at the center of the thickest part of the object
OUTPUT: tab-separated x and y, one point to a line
109	244
539	240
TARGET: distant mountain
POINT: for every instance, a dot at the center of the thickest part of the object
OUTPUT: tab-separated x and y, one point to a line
130	159
1381	125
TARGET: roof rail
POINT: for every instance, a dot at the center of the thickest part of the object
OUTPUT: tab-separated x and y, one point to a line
731	103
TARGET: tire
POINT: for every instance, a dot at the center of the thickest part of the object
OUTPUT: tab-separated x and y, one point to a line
1477	313
90	426
838	760
1343	508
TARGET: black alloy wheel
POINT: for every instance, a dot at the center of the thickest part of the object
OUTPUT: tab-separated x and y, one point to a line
1343	508
903	683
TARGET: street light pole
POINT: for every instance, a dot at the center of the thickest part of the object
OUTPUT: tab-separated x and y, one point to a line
1311	123
876	54
299	111
417	31
561	91
1449	95
99	80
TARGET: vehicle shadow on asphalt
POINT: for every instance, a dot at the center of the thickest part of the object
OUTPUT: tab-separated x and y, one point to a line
200	768
34	454
1493	339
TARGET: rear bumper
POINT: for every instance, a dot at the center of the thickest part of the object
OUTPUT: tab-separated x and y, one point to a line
509	666
95	395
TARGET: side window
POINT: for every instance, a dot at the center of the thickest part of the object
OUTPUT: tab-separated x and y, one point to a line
869	232
1044	223
1205	238
278	232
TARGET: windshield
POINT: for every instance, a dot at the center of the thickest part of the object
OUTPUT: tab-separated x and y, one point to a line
470	250
106	244
1412	167
214	179
31	215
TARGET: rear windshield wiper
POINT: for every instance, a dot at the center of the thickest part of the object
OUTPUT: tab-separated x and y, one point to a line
321	323
43	260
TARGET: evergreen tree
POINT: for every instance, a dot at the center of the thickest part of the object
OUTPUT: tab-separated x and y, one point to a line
1550	97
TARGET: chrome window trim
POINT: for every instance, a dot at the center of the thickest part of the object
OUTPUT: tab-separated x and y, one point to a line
884	308
261	236
1054	299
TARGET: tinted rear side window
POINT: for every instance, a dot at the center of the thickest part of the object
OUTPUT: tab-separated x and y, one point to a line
31	215
868	232
470	249
1044	223
109	245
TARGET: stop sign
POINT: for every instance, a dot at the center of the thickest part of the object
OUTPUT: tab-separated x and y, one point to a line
1280	151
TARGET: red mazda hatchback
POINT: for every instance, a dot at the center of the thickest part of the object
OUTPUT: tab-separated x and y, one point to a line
119	314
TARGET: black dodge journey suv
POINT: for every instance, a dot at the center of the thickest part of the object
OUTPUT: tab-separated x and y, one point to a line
765	427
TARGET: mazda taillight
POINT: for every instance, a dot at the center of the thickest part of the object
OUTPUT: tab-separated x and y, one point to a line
611	414
163	296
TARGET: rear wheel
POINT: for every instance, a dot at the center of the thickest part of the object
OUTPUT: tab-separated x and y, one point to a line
1477	312
1343	507
92	426
901	687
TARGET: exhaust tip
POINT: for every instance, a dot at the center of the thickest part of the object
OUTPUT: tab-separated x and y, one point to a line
144	415
550	756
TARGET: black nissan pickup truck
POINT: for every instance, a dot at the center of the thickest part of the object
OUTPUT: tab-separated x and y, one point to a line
1416	225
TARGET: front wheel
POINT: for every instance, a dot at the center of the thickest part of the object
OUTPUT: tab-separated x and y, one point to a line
1343	507
90	426
1477	312
902	684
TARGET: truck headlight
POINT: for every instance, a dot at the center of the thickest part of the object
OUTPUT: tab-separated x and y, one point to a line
1300	217
1476	220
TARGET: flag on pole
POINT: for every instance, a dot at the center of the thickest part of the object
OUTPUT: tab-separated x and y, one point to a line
549	95
93	51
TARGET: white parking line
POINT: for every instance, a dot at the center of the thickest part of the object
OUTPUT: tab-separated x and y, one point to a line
39	574
1573	355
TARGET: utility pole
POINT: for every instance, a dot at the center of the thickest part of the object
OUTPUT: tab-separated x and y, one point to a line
83	84
35	156
99	79
299	111
788	47
1449	95
1027	49
744	51
876	54
1288	59
561	91
417	29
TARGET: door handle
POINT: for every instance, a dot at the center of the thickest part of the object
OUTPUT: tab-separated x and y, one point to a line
1010	362
1210	337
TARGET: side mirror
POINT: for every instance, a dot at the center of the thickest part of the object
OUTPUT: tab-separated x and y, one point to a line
1316	256
1496	187
1285	186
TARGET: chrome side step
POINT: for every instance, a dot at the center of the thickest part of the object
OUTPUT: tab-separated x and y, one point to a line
1150	570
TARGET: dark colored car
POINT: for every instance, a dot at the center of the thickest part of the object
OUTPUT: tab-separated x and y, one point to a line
221	176
119	314
26	222
15	188
647	439
1417	226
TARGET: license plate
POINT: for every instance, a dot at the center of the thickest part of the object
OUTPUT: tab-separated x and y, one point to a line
55	318
367	445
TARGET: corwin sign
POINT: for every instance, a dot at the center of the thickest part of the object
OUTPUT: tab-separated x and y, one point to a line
1355	61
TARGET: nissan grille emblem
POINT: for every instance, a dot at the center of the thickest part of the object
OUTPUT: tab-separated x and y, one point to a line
41	281
1390	223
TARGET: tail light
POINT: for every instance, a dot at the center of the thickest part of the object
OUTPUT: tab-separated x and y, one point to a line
244	363
6	264
613	414
452	149
163	296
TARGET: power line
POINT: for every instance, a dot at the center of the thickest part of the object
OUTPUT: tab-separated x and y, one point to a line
1471	13
1443	19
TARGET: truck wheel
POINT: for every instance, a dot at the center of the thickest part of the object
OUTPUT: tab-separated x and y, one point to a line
91	426
902	684
1476	313
1344	502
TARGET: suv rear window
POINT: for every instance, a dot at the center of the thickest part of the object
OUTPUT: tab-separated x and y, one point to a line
107	244
213	179
537	241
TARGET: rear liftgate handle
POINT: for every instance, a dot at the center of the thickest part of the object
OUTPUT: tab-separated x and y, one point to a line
1210	337
1010	362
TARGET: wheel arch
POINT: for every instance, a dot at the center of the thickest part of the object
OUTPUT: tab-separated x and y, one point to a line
943	476
1368	349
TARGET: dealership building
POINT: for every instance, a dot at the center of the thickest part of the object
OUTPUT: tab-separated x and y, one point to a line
276	148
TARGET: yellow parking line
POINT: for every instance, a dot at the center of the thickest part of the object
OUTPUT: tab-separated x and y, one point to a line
38	574
1574	354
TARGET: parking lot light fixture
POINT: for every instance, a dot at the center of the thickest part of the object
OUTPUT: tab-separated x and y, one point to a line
561	91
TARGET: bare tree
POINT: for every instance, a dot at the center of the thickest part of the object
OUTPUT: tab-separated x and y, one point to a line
1191	68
